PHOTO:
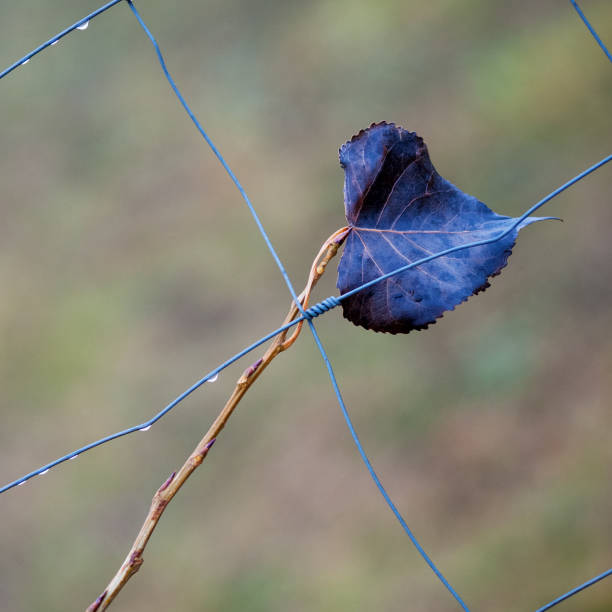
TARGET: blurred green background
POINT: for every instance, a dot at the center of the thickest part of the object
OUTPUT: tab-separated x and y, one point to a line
129	267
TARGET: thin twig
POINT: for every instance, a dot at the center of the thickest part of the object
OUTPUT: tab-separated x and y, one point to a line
171	486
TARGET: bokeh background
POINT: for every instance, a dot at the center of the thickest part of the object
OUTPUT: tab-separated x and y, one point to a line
129	267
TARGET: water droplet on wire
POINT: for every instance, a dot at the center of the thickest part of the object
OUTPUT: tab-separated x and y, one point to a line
25	62
83	26
45	472
73	457
21	483
55	42
145	428
213	378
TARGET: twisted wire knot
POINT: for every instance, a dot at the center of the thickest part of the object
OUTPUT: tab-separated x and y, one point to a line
321	307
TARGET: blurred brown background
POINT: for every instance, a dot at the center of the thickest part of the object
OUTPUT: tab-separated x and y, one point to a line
129	267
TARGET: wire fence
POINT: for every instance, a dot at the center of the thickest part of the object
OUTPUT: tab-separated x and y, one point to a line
308	314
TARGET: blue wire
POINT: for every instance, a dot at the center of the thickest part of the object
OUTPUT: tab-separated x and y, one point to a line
310	313
307	315
331	302
588	583
583	586
374	476
591	29
157	417
293	294
217	153
461	247
297	302
57	37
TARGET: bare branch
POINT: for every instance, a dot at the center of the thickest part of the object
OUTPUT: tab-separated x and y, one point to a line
171	486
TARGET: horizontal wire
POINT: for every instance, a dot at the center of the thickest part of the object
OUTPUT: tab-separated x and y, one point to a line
461	247
146	424
310	313
57	37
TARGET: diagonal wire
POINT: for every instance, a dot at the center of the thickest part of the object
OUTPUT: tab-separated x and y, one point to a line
375	477
569	594
57	37
309	316
147	424
591	29
301	309
218	155
510	229
312	312
607	573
